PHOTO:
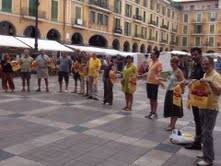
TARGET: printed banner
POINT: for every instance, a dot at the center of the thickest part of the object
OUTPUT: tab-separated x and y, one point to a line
199	92
177	96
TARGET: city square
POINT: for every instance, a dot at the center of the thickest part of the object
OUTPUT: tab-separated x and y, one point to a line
148	74
65	129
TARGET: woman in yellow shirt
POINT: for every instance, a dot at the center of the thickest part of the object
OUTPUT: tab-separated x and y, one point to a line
129	82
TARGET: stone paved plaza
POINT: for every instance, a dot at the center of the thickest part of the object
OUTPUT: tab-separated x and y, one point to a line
65	129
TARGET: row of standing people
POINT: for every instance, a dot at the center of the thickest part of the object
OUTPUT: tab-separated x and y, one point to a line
88	70
203	70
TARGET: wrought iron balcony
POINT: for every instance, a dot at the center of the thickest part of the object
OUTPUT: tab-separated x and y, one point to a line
174	30
152	22
164	27
152	38
164	41
118	30
99	3
137	17
30	13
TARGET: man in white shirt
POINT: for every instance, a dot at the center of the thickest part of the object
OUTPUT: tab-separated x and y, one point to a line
42	61
25	62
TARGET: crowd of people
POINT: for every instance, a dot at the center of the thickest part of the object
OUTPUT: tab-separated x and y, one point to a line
86	68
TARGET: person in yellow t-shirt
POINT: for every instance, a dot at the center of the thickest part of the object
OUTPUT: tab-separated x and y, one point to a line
94	66
209	113
129	82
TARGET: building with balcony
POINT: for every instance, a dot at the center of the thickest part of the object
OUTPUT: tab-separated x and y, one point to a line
128	25
200	25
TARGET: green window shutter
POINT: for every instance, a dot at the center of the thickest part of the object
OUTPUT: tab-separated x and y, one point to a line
32	8
7	5
54	10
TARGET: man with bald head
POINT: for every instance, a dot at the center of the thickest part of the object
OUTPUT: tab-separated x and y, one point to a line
25	62
42	61
209	113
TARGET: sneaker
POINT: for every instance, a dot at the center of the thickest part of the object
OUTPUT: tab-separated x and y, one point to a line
204	163
169	128
148	116
38	90
95	98
200	156
154	116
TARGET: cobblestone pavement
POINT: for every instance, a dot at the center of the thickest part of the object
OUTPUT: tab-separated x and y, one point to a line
65	129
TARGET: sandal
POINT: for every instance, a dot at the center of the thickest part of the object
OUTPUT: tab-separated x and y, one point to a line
169	128
125	108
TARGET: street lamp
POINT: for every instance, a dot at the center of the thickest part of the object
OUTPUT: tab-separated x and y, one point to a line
36	24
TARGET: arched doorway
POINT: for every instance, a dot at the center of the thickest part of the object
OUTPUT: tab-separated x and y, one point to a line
135	47
77	38
149	49
161	49
126	46
98	41
30	32
142	48
116	44
166	49
7	28
53	34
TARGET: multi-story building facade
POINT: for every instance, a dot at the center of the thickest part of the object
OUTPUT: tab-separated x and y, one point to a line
201	25
128	25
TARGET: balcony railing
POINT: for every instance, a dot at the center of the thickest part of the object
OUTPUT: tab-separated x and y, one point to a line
137	17
152	22
100	3
27	12
152	38
164	27
8	10
118	30
78	22
164	41
142	36
174	30
172	42
197	32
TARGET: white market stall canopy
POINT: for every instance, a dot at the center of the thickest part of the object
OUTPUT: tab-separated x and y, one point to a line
214	55
97	50
10	41
180	53
47	45
138	58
